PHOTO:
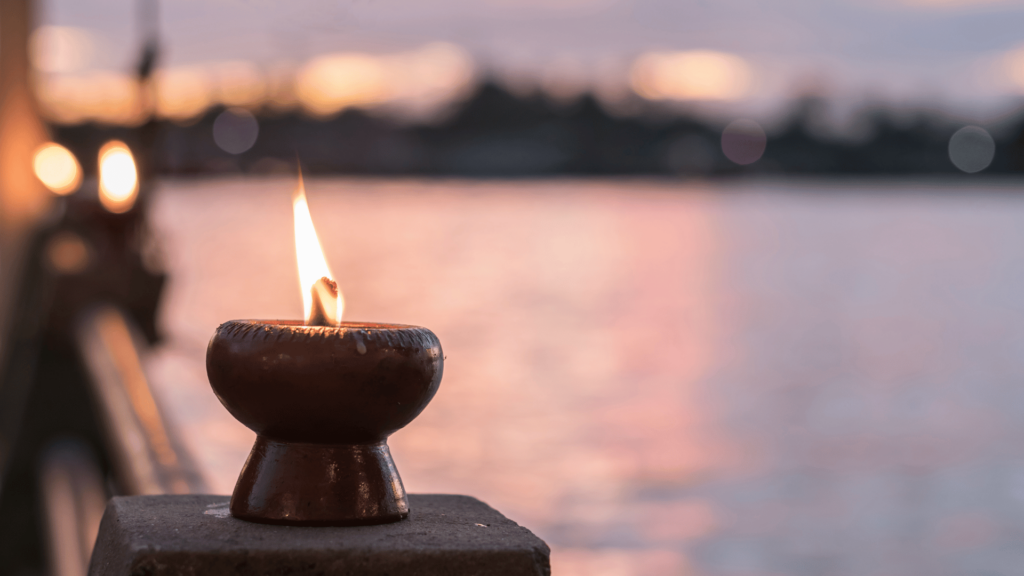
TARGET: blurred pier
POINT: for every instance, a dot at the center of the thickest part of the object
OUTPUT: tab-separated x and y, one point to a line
78	302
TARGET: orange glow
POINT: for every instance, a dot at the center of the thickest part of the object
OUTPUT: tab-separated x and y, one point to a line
433	73
239	83
331	83
183	92
90	95
312	263
417	82
1013	67
119	180
692	75
57	168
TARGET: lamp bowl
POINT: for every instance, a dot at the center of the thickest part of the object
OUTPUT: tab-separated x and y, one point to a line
322	401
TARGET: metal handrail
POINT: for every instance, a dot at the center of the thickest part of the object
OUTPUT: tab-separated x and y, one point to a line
145	454
148	457
73	500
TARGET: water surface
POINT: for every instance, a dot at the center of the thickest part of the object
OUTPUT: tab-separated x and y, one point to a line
662	378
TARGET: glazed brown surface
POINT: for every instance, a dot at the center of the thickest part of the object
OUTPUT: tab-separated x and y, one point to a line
353	384
322	401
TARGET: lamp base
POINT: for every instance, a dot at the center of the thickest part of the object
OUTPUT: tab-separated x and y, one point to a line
319	485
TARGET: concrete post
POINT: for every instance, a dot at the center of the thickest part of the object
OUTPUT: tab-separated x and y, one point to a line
444	535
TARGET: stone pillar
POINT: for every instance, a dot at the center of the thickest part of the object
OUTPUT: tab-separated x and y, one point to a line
444	535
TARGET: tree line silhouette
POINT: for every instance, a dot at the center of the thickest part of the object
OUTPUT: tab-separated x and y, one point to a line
495	133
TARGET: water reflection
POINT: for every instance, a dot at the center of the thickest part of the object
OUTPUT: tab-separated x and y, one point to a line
659	379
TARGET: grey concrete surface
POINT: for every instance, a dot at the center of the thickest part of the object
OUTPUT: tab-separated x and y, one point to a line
445	535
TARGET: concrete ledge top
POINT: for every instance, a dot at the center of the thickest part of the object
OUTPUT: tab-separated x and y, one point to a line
444	535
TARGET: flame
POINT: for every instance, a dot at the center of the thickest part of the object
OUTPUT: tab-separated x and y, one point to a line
57	168
313	265
119	180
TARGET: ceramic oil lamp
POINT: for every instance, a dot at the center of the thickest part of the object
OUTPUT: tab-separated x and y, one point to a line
322	396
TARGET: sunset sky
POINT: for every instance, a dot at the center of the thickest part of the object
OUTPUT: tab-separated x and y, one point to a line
960	55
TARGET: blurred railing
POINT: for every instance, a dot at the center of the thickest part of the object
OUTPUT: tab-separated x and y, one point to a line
73	498
78	419
148	457
146	454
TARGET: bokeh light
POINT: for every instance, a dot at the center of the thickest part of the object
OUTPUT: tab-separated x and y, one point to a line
971	149
100	95
416	83
57	168
67	253
280	87
182	92
331	83
420	78
691	75
235	130
1013	65
119	179
239	83
744	141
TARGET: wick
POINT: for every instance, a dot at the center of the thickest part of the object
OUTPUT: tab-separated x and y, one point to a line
324	288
